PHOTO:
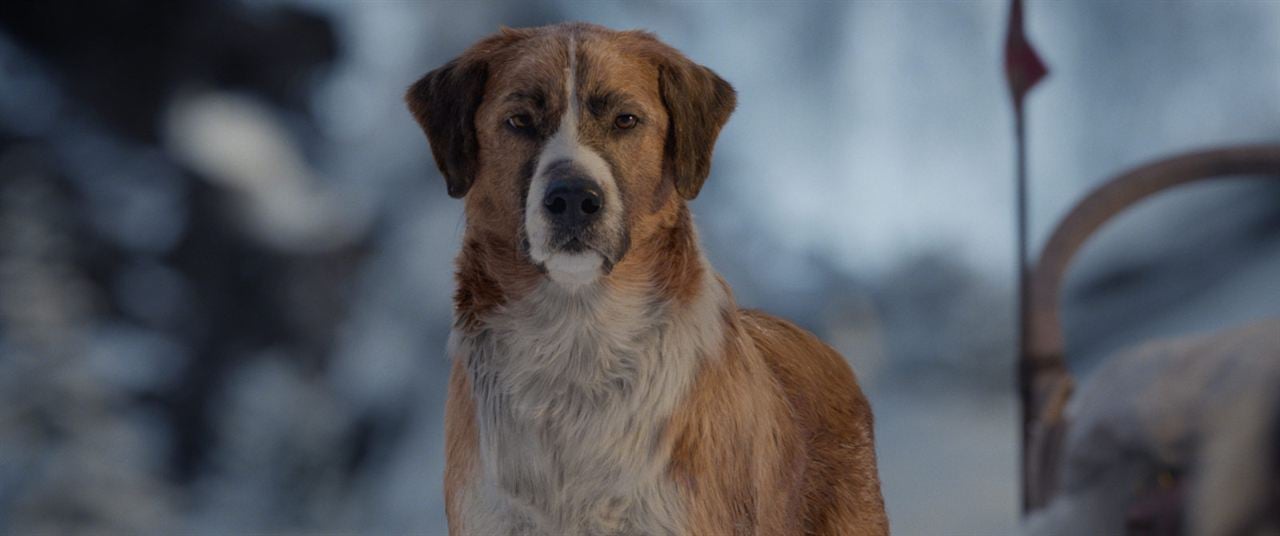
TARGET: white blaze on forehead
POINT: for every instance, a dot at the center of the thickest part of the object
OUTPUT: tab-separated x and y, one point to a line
564	144
572	269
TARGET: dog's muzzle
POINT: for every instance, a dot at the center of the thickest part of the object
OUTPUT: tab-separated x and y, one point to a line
574	226
573	205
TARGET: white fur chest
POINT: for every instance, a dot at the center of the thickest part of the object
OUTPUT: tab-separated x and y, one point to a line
573	391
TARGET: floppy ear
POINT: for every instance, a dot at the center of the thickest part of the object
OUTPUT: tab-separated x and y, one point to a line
698	104
445	102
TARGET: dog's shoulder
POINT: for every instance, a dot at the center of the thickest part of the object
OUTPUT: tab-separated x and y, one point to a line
842	486
808	369
462	444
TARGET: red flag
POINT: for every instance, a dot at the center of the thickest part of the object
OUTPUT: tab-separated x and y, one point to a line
1022	66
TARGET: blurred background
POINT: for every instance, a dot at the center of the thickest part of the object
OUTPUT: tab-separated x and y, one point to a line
226	254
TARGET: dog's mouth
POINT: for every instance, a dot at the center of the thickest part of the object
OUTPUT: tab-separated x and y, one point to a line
573	244
578	245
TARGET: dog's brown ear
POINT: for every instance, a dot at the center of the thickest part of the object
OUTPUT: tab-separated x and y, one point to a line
445	102
698	104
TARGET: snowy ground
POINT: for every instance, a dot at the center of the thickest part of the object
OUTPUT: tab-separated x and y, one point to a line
948	459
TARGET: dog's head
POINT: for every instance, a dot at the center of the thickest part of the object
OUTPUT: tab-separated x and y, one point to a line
573	141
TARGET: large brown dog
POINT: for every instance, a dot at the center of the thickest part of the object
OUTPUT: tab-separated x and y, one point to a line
604	380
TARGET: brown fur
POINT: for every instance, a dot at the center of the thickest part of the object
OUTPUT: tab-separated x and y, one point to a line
842	488
462	444
737	450
777	439
774	437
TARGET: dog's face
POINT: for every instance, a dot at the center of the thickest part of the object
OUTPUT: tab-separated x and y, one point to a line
571	143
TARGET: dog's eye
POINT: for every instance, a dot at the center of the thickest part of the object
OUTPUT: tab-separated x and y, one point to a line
625	121
520	122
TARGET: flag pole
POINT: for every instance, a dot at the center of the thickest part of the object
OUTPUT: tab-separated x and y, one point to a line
1023	69
1025	370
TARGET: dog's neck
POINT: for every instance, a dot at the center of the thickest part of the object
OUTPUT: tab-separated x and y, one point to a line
593	338
664	281
573	387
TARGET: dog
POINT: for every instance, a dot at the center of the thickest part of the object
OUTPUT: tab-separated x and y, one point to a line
603	379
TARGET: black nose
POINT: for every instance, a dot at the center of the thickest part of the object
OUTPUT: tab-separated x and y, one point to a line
573	202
